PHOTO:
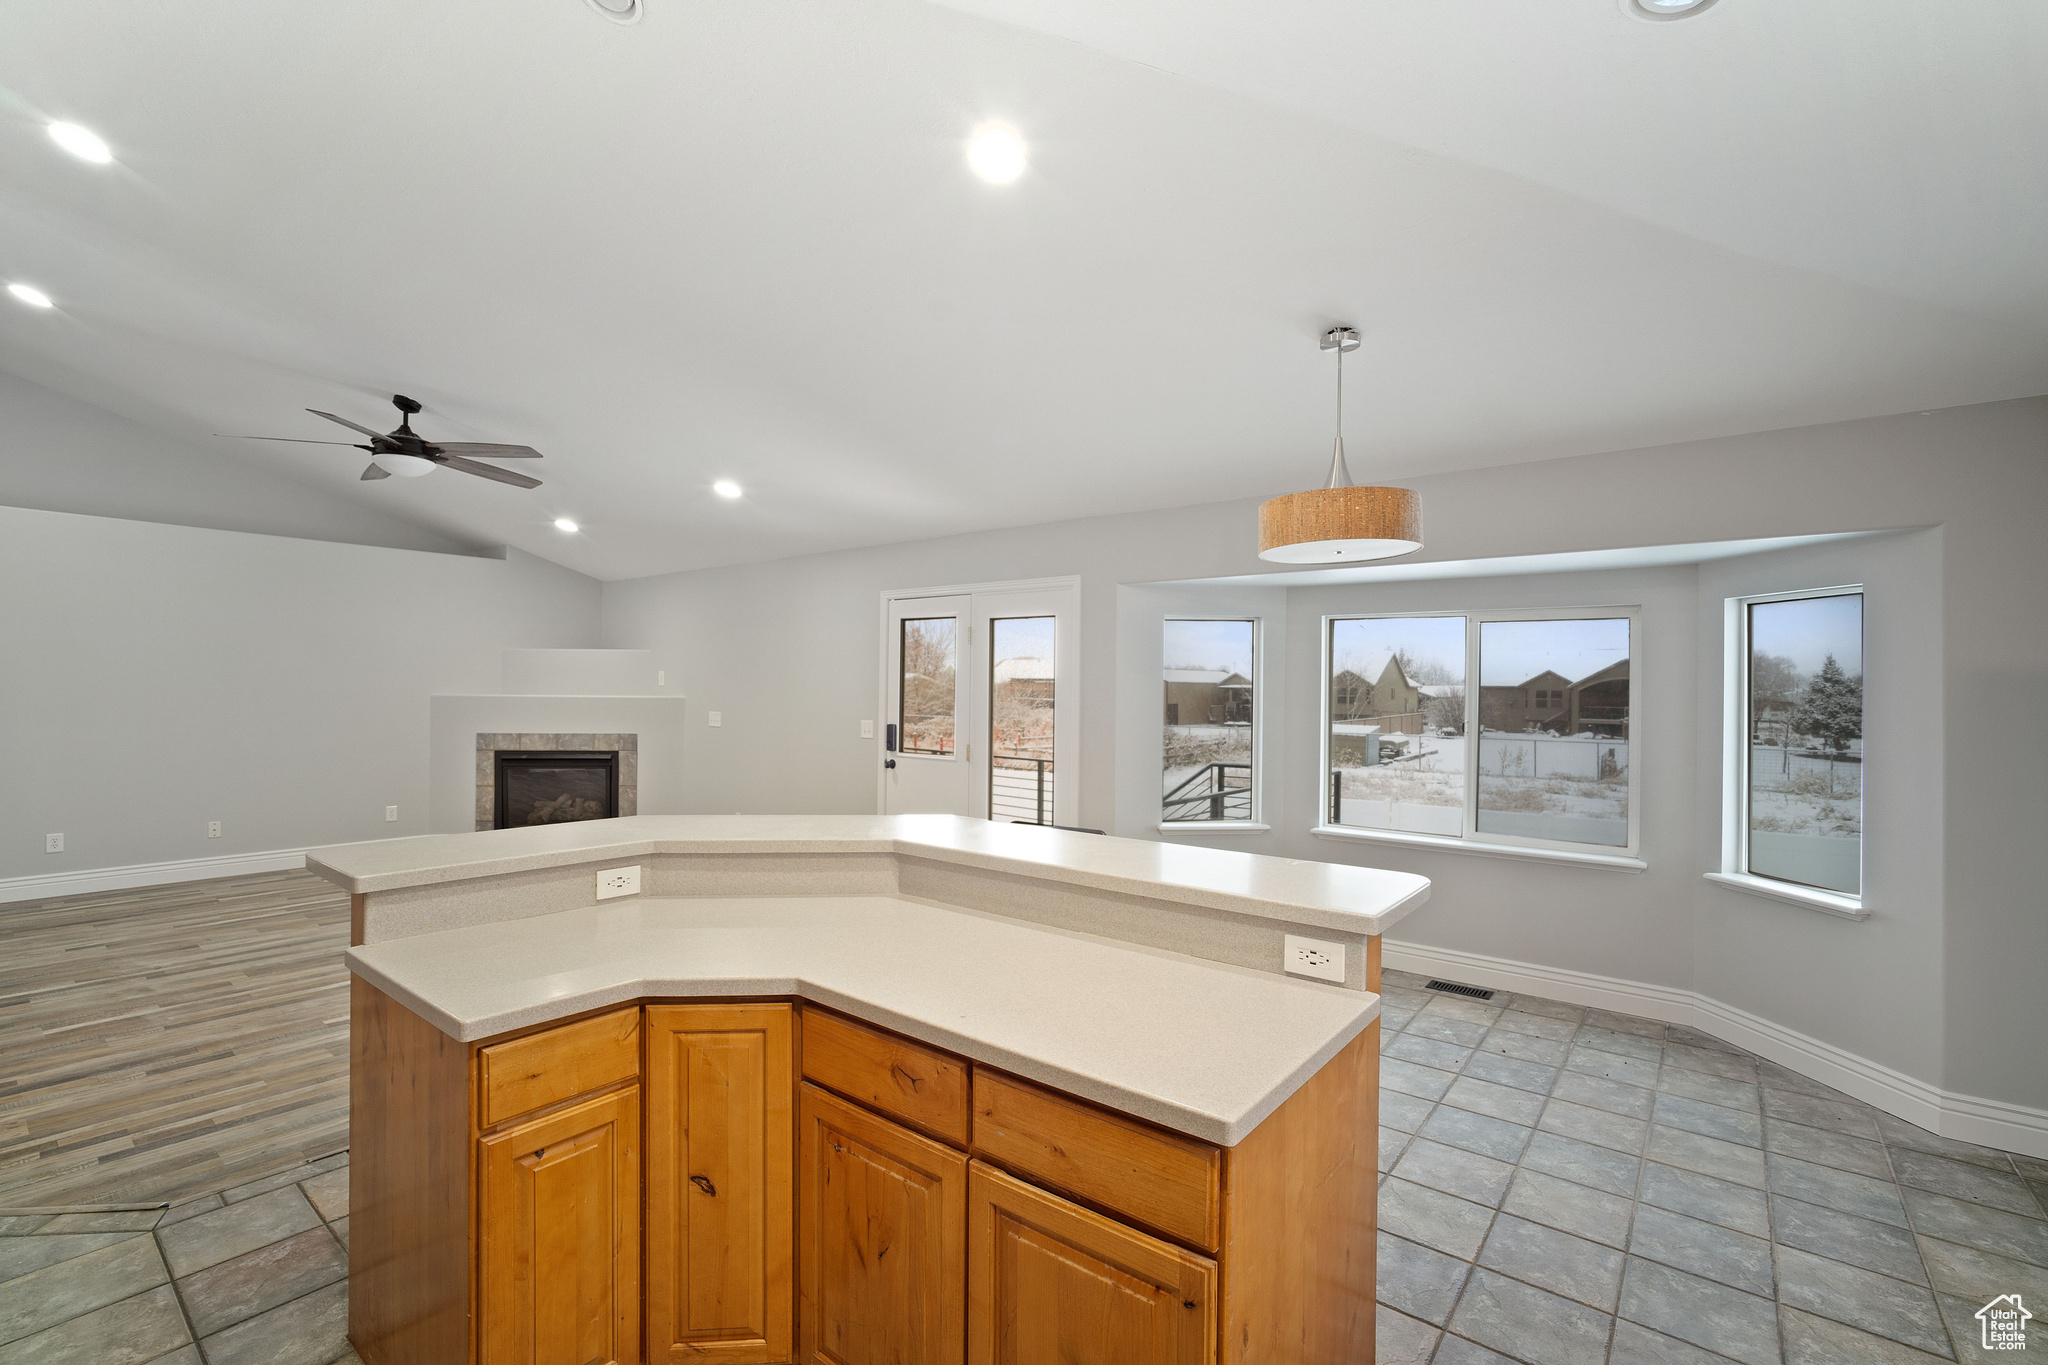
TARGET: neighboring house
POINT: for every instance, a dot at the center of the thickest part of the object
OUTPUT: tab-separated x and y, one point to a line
1024	682
1206	696
1377	690
1596	704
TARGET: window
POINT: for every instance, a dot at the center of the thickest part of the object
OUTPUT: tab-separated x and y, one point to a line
1560	777
1020	719
930	653
1209	684
1802	750
1393	766
1505	729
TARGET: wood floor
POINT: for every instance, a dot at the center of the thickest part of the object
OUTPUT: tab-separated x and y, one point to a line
171	1041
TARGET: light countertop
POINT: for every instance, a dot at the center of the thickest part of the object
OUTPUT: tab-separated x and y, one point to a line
1197	1046
1359	900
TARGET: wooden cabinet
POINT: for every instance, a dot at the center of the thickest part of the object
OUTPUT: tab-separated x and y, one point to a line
721	1225
943	1213
882	1228
1052	1283
559	1237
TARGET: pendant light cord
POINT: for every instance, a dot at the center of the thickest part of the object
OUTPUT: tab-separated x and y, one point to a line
1340	471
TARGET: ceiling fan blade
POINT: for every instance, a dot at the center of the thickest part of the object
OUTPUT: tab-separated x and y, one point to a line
490	472
352	426
376	471
295	440
485	450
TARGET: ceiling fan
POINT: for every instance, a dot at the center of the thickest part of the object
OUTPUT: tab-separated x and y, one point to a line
405	453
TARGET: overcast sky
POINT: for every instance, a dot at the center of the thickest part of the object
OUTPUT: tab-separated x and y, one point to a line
1806	632
1210	644
1511	652
1364	645
1023	637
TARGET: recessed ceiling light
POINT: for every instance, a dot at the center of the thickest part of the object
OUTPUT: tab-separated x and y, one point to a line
1665	9
997	153
726	488
30	295
82	143
565	526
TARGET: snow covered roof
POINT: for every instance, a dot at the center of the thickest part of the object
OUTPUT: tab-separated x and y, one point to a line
1217	676
1442	689
1023	670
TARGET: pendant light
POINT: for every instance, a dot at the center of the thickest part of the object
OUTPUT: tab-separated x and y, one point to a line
1340	524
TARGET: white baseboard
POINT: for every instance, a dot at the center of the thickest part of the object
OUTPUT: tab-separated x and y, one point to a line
85	881
1967	1118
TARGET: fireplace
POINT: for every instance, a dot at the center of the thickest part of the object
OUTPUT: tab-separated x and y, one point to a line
554	786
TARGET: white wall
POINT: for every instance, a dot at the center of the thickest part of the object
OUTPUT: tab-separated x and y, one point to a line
1874	988
788	650
62	455
156	677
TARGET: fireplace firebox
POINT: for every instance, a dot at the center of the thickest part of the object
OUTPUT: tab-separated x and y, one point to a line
554	786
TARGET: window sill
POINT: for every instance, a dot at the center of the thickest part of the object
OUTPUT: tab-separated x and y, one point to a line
1827	902
1616	862
1211	827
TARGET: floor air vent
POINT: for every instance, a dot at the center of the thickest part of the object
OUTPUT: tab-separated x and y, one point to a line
1453	988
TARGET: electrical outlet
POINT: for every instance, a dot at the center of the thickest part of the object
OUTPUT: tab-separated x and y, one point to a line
53	843
390	814
618	881
867	729
1314	957
213	829
718	717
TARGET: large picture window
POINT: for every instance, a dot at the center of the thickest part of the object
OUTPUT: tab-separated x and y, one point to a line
1209	721
1498	728
1802	756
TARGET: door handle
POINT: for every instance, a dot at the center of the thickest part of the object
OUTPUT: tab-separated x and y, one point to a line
888	763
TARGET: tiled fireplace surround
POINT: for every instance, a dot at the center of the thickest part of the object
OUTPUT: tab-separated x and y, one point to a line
487	746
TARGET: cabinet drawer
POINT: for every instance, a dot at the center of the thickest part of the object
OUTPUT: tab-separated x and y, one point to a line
924	1088
558	1064
1164	1182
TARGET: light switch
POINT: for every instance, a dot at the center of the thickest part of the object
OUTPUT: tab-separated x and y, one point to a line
867	729
718	717
661	677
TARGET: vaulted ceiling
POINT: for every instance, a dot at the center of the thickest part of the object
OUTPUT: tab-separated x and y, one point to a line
738	240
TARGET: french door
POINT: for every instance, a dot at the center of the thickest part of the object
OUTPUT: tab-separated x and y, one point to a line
980	706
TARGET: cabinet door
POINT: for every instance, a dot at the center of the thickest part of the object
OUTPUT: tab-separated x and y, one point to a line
882	1218
1052	1283
721	1228
559	1237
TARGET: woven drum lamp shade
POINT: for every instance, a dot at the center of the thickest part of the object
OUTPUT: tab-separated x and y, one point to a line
1340	525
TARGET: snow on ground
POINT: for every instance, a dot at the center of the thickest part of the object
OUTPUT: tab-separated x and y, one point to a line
1795	793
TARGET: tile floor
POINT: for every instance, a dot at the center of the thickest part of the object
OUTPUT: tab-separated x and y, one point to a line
256	1275
1565	1186
1561	1186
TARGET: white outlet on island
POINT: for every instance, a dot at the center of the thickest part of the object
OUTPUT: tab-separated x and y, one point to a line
1314	957
618	881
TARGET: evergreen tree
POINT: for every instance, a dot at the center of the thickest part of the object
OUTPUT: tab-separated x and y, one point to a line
1832	708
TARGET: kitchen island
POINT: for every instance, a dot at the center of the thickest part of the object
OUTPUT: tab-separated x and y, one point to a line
858	1089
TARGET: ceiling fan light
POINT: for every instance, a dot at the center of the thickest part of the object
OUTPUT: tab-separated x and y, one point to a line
402	466
1340	525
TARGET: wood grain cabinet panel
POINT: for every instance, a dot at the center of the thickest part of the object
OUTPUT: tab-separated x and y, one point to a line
559	1237
919	1086
1162	1181
882	1224
1052	1283
541	1069
721	1175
